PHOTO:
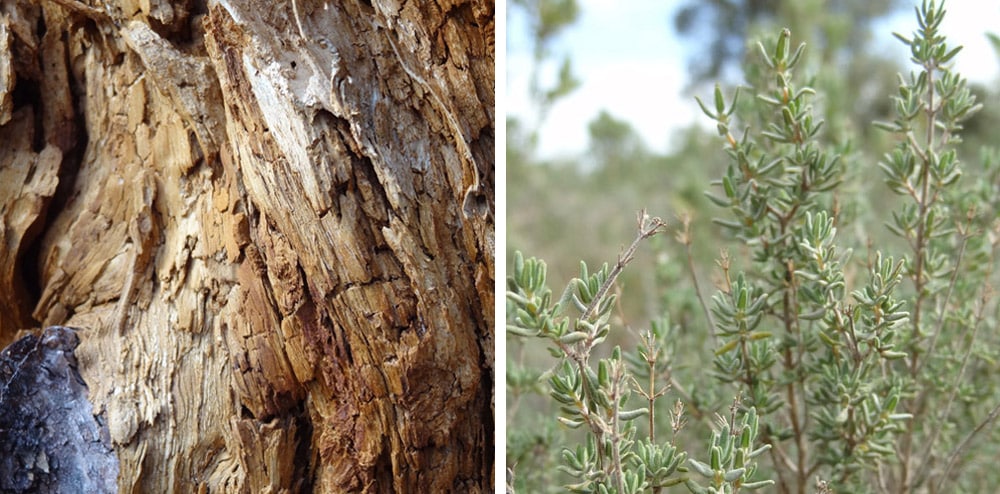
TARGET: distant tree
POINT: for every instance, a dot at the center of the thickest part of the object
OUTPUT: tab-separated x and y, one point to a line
614	144
835	25
547	19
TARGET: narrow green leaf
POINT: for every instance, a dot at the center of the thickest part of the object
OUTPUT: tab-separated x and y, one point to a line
573	337
633	414
758	485
720	103
572	424
902	38
702	468
521	331
705	109
734	474
728	347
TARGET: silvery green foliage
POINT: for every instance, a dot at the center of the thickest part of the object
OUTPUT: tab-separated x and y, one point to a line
853	373
594	398
851	381
809	356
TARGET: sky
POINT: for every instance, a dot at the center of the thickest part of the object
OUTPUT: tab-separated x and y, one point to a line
632	64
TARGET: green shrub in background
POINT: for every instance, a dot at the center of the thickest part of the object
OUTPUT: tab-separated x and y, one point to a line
844	372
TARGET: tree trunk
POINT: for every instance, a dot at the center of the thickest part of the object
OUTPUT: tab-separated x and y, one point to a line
271	224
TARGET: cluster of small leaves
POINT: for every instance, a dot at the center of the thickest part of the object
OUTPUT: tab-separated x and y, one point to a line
651	363
769	188
748	354
859	432
605	413
829	372
733	452
867	327
769	185
854	375
808	358
949	262
854	402
930	108
597	400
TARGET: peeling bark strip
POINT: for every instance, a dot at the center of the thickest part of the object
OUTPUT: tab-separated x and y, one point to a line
49	439
367	259
275	220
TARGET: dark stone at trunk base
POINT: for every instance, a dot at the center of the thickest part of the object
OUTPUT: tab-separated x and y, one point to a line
50	441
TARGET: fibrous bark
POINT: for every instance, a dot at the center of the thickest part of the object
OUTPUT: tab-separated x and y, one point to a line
273	223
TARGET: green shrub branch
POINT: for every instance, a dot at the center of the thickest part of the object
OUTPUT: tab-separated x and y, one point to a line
845	374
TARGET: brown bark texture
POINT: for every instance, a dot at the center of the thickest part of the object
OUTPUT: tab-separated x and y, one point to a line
271	225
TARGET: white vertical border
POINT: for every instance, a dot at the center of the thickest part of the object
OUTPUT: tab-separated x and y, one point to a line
500	252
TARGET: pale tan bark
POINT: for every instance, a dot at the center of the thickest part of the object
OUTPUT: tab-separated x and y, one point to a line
272	223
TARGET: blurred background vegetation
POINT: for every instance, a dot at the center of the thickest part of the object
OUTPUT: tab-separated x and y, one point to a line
583	207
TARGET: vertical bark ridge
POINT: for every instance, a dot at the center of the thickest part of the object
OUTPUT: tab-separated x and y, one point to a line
273	224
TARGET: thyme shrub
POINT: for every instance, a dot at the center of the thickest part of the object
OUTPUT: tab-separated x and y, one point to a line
844	373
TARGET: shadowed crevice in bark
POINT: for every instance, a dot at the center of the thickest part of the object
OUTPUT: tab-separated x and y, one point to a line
49	440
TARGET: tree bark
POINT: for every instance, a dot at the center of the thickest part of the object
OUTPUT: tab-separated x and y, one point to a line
49	439
272	224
